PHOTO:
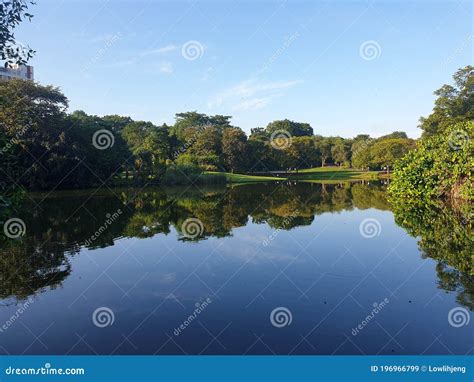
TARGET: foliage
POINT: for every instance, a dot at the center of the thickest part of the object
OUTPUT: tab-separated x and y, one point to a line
394	135
12	13
340	152
295	129
188	174
441	166
455	103
385	152
150	148
234	149
32	118
380	153
324	145
360	148
206	148
260	155
193	119
445	235
46	148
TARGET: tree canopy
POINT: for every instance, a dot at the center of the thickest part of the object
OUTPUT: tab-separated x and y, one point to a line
454	103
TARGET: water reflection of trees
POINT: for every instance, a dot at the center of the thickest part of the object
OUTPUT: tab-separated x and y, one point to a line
27	267
59	226
445	235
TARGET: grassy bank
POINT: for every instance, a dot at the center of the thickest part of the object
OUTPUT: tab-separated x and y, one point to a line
333	173
241	178
185	176
317	174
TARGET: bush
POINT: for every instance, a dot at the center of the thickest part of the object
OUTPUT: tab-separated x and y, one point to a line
187	174
440	167
181	174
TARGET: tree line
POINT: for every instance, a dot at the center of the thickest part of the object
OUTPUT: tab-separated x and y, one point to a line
42	146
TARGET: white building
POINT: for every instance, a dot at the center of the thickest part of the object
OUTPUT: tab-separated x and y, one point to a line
24	72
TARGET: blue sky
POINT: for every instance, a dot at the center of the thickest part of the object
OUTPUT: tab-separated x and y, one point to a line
345	67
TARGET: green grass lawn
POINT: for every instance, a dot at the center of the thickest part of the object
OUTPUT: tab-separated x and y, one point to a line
333	173
317	174
242	178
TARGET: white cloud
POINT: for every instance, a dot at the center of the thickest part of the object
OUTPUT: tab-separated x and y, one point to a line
162	50
166	67
251	94
119	64
252	104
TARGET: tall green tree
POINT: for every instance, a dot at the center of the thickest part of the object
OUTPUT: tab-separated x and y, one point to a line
385	152
193	119
234	148
340	152
324	145
441	165
206	147
150	148
455	103
360	151
261	156
259	133
97	166
302	153
295	129
32	118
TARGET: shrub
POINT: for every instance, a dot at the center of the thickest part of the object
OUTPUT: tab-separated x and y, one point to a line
440	167
187	174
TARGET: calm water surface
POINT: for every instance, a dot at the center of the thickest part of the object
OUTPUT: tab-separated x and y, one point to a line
341	273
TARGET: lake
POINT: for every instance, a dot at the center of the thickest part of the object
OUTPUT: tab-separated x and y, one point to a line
282	268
